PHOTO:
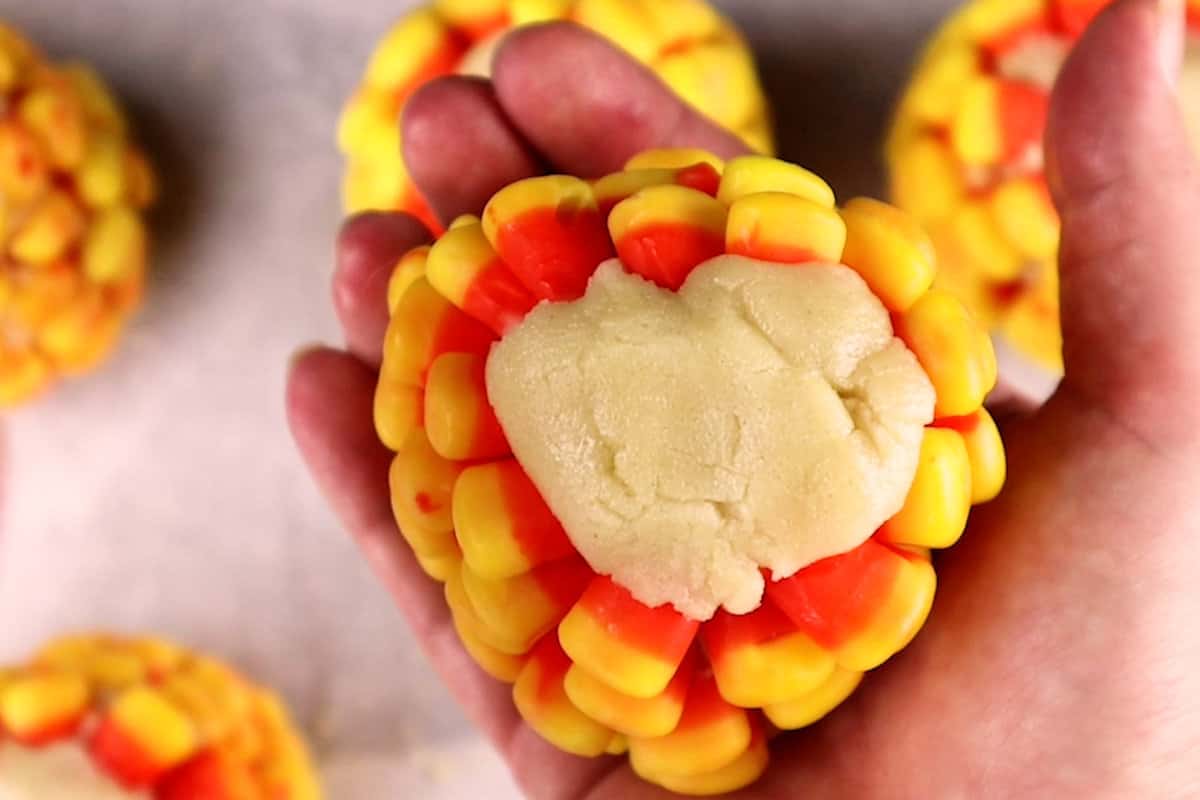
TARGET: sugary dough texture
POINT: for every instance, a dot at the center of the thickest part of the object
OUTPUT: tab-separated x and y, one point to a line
759	418
61	772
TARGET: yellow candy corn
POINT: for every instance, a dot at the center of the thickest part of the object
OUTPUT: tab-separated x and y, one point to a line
811	707
889	251
750	175
935	512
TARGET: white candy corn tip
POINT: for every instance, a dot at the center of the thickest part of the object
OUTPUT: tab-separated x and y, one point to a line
61	772
478	60
1189	89
761	417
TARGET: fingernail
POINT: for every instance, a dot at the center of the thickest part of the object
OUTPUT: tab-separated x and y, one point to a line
1172	16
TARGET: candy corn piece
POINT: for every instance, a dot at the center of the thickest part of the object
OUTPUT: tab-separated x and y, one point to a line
503	525
550	233
715	748
73	242
634	716
103	716
761	658
965	158
517	612
597	666
543	702
861	606
803	710
632	648
690	46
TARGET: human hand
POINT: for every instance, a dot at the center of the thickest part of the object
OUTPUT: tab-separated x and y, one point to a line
1058	660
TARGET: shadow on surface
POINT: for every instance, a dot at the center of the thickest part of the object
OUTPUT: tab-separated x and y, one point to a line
833	81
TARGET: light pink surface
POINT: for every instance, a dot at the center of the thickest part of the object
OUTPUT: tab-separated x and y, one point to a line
164	494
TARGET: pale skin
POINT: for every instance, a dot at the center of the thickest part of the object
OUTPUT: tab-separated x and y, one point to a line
1060	657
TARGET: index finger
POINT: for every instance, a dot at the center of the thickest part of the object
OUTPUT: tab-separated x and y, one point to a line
588	107
368	247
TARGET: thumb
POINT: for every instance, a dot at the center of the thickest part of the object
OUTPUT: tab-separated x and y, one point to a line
1126	182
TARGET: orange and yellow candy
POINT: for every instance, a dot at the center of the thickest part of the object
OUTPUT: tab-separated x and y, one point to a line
72	238
965	158
694	50
156	719
594	670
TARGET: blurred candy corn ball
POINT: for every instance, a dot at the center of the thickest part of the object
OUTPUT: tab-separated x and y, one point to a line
109	718
679	442
72	189
966	160
689	45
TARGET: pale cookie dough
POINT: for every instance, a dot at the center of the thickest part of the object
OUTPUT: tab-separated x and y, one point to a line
61	772
764	416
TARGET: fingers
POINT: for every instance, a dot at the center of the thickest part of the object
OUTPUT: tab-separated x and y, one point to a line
557	91
1126	183
588	107
330	396
460	147
329	401
543	771
368	247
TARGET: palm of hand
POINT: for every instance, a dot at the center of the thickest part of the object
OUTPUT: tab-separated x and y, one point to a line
1056	660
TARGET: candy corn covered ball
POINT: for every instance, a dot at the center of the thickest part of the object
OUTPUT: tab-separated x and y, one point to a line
72	238
687	43
110	718
678	442
966	159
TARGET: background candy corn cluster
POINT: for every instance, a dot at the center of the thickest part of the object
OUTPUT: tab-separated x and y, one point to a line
594	670
155	718
72	240
965	156
686	42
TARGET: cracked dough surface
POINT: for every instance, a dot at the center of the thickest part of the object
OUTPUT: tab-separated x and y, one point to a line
62	772
764	416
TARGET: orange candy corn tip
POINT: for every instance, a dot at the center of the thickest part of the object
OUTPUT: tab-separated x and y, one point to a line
72	192
149	717
663	232
594	670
